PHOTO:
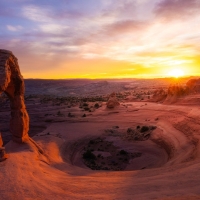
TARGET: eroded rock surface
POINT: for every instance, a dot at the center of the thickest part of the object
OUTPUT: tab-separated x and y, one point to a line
193	85
12	83
3	155
159	95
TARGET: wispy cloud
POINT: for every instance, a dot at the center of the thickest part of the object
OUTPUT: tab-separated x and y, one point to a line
35	13
141	32
177	9
14	28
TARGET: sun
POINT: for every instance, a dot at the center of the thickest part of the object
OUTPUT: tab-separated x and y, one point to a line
176	73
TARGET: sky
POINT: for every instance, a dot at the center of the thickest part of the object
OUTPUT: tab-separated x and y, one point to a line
102	38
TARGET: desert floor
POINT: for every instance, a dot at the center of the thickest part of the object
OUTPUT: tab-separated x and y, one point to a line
51	165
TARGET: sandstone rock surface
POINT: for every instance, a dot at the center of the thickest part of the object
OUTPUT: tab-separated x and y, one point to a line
1	141
3	155
193	85
112	101
12	83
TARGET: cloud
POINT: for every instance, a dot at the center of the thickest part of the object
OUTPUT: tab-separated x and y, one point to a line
51	32
35	13
14	28
126	26
53	28
122	9
177	9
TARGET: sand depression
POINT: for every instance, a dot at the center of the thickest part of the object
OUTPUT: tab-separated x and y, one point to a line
121	144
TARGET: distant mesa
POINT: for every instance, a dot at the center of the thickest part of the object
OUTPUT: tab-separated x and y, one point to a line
193	85
12	84
159	95
176	92
112	101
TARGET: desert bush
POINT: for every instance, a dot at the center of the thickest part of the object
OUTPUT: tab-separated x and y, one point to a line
88	155
96	105
144	129
91	142
70	115
130	130
123	152
59	113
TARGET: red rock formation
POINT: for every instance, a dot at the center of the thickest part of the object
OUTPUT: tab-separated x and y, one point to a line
1	141
112	101
12	83
175	93
159	95
193	85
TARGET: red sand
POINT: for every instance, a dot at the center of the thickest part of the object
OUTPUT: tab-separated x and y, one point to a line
31	174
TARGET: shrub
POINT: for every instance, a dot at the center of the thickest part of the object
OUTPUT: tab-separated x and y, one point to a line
59	113
144	129
96	105
123	152
88	155
87	109
91	142
129	130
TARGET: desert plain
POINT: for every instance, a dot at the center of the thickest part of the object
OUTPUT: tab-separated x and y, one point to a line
145	146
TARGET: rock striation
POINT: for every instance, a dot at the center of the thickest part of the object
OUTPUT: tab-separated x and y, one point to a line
112	101
12	84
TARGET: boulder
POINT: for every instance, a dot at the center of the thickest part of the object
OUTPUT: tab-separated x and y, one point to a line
12	84
112	101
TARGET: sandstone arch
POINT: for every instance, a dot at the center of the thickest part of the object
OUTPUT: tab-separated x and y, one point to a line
12	84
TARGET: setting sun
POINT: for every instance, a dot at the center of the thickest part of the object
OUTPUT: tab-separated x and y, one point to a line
176	73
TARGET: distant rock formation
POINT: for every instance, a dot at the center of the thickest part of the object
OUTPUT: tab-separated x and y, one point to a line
193	86
175	92
159	95
112	101
12	83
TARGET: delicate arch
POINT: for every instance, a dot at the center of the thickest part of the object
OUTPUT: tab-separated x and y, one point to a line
12	83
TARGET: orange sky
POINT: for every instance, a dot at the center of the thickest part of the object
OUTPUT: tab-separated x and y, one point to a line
102	39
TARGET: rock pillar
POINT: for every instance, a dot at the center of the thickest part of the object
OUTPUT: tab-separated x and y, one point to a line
12	83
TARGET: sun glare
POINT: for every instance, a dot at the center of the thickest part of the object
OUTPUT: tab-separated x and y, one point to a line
176	73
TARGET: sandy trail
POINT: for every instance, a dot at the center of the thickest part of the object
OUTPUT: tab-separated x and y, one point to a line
29	174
